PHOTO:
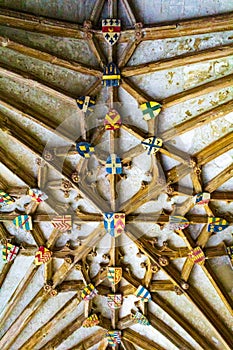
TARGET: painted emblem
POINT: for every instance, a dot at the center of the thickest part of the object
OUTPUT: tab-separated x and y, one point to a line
89	292
85	149
9	252
140	318
85	103
114	274
91	321
178	222
42	256
113	164
113	337
111	29
197	256
5	199
230	252
202	198
143	294
62	223
112	120
150	109
111	75
37	195
216	224
114	223
152	145
24	222
115	301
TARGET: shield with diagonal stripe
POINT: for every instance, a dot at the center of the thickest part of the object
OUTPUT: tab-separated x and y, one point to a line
150	109
152	144
24	222
9	252
5	199
143	294
62	222
89	292
178	222
112	120
37	195
114	301
216	224
111	29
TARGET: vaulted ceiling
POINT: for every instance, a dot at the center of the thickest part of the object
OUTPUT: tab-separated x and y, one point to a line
172	249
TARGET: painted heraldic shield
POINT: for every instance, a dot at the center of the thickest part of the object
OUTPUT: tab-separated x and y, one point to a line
143	294
5	199
91	321
114	274
85	103
216	225
178	222
141	319
89	292
114	223
42	256
24	222
152	145
85	149
113	337
113	164
63	223
114	301
9	252
111	29
37	195
111	75
112	120
197	256
150	109
202	198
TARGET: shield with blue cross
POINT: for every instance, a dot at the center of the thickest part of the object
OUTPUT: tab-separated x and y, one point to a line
152	144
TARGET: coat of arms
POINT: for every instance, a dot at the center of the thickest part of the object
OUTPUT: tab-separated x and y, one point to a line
85	103
114	223
152	145
216	224
114	274
112	120
114	301
150	109
113	164
111	29
143	294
